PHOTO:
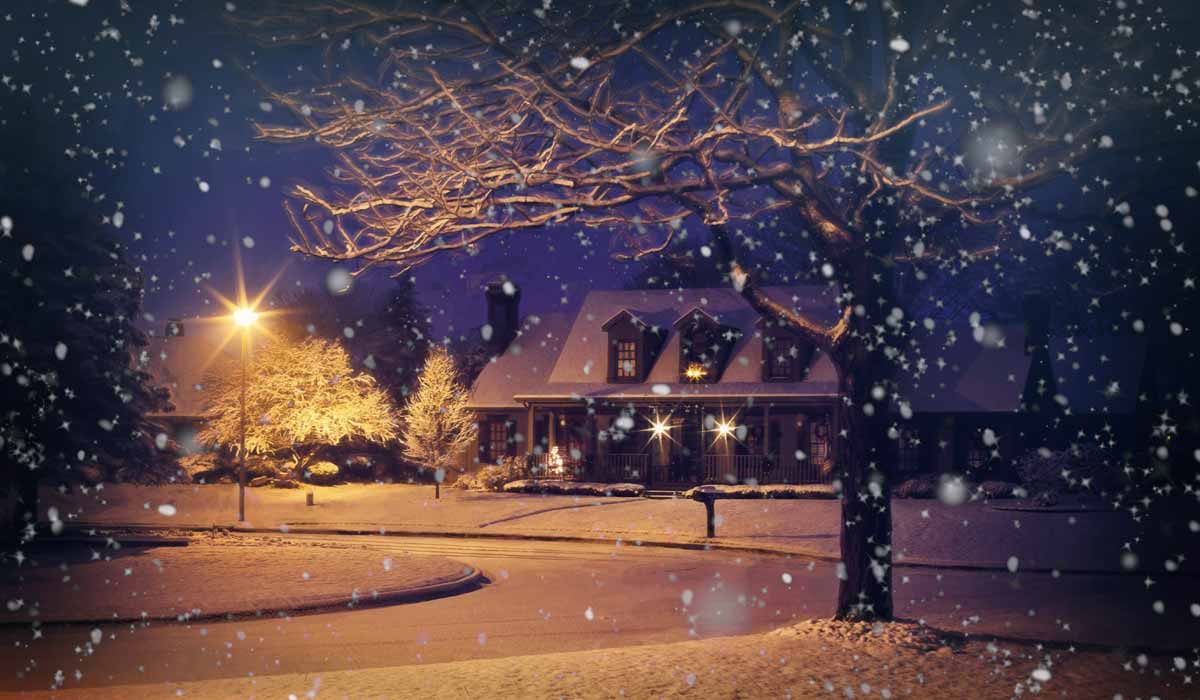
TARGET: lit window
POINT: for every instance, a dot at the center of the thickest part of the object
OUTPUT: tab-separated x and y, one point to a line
497	440
627	359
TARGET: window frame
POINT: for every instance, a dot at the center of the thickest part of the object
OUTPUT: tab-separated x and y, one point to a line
620	373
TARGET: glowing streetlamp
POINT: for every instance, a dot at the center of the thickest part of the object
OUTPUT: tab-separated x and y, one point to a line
244	313
244	317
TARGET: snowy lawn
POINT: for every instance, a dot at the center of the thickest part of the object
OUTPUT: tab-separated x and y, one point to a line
971	533
240	575
818	659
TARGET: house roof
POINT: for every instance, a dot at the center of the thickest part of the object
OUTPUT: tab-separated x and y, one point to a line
179	362
954	367
525	363
948	370
577	355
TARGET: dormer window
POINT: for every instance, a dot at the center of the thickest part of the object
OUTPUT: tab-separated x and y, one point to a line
785	356
704	347
631	347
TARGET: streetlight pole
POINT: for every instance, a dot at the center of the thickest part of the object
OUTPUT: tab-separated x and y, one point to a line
245	318
242	421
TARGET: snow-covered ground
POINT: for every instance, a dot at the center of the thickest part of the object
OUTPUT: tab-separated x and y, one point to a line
925	530
816	659
210	577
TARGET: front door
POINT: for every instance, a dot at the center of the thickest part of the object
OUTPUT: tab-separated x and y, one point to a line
688	462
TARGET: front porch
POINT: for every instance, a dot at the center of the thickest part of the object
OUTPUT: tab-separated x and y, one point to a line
676	445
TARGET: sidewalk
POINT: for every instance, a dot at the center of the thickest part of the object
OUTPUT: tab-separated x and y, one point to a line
926	532
93	583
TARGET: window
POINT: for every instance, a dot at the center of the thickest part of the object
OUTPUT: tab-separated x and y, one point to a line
627	368
497	444
779	362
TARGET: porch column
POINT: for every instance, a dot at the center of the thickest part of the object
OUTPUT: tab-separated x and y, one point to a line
530	430
553	429
766	441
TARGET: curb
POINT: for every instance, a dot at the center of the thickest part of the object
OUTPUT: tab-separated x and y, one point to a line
694	545
468	582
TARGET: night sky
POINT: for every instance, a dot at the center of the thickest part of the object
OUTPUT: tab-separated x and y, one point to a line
101	85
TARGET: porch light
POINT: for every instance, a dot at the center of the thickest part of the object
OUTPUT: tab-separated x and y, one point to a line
659	428
725	428
695	372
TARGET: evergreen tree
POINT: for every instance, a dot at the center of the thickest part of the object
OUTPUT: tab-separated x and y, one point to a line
74	390
437	423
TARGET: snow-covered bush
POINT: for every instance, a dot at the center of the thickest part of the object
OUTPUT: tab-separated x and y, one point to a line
786	491
204	467
1049	473
924	486
493	477
322	473
574	488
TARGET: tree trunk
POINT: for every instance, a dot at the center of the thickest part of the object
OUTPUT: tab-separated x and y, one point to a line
865	572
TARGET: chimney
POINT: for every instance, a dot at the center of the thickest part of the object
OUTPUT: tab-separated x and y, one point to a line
174	328
503	299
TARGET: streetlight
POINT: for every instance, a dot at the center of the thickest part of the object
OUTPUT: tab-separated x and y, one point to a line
244	317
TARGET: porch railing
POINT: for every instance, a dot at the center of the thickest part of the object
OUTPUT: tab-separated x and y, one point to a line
539	466
760	469
625	466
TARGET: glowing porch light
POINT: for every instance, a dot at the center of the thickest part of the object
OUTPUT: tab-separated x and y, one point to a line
695	372
725	428
659	428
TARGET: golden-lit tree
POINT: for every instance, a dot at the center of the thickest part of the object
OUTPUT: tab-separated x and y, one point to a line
300	396
866	131
437	425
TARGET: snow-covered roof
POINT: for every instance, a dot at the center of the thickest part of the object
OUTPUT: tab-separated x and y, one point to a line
526	362
578	355
951	368
179	362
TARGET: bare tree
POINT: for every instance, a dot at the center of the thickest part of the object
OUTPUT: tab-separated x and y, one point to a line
892	137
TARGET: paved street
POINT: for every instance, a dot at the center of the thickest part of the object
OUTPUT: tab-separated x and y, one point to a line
539	600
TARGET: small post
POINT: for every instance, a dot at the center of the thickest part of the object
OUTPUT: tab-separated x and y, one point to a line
710	512
437	489
308	499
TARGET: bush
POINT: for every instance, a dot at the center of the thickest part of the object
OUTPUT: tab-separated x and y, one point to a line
1051	473
322	473
573	488
919	487
493	477
204	467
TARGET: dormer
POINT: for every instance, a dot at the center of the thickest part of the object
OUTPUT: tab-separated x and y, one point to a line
704	347
632	346
785	354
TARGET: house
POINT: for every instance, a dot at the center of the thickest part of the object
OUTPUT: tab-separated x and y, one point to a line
674	387
178	359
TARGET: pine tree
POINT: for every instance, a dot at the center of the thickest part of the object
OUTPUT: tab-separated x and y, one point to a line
437	423
300	396
74	390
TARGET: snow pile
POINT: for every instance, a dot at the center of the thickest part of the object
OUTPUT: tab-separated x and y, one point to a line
908	636
573	488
